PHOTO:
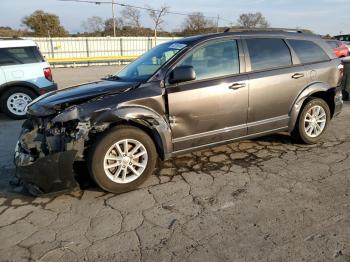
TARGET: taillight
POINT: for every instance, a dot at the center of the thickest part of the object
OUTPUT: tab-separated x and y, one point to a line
48	73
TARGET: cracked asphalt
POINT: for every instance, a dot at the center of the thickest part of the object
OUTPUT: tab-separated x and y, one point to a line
266	199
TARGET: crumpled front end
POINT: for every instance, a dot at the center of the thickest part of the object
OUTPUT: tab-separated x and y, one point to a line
45	154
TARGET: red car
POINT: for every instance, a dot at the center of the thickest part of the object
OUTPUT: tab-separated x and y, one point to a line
339	48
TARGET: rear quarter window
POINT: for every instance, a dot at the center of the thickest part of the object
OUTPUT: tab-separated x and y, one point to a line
308	51
268	53
20	55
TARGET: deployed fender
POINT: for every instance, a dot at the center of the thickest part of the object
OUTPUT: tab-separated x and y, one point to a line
307	92
143	116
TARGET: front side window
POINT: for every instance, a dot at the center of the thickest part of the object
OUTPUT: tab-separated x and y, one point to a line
268	53
308	51
214	60
144	67
20	55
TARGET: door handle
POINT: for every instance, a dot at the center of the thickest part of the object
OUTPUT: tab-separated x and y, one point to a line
297	76
236	86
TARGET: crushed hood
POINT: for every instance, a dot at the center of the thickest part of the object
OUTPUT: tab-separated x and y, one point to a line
56	100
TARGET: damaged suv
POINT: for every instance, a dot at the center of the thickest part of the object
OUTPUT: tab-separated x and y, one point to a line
181	96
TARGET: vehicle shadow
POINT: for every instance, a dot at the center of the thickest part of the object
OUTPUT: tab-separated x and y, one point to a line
177	164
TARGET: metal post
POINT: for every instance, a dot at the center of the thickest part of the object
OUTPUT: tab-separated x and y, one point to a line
121	48
87	49
149	43
217	24
52	49
113	17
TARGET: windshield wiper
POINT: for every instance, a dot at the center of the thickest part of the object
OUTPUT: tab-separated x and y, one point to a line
111	77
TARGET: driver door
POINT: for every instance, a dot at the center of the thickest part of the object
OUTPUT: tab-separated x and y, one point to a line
213	107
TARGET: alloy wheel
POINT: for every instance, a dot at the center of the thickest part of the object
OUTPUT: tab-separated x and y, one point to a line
125	161
315	121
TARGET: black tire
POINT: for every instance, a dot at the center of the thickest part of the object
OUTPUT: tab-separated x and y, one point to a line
299	133
8	93
101	146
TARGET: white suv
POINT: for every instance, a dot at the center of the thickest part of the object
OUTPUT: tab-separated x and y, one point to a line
24	75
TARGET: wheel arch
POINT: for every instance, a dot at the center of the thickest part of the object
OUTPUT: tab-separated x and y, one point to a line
7	86
143	118
321	90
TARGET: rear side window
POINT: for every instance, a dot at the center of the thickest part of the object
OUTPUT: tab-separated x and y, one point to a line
308	52
214	60
268	53
20	55
333	44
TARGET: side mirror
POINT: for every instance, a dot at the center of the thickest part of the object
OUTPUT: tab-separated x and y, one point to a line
182	74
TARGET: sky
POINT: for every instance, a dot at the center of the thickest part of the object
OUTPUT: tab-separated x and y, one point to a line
320	16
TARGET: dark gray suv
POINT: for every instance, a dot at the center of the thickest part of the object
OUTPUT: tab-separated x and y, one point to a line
181	96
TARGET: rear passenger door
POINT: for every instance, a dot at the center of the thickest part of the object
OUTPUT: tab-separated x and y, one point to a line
274	83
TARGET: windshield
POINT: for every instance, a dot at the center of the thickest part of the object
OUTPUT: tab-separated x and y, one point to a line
144	67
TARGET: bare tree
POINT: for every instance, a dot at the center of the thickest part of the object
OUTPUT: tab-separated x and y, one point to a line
131	17
109	25
157	17
94	24
253	20
197	22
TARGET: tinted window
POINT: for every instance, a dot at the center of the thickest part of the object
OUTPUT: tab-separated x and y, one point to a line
333	44
19	55
344	38
268	53
145	66
308	52
214	60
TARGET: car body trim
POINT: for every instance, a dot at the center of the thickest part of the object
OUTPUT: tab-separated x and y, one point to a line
209	133
179	152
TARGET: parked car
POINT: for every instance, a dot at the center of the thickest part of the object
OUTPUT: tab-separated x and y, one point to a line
181	96
347	44
339	48
24	75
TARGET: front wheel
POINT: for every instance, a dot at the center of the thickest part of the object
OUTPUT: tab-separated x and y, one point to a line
121	159
312	121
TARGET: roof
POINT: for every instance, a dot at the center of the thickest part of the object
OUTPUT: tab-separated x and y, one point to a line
10	42
273	33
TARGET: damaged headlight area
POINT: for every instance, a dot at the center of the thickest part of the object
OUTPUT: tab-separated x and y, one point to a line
46	151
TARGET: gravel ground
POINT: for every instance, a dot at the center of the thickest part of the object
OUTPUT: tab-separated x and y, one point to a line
260	200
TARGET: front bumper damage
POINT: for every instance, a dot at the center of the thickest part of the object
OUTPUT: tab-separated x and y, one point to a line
44	156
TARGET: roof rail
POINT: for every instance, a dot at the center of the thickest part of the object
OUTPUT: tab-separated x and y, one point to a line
246	29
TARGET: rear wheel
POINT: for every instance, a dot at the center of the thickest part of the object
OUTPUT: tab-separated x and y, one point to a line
312	121
15	100
121	159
